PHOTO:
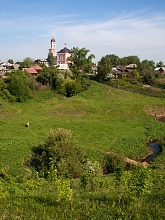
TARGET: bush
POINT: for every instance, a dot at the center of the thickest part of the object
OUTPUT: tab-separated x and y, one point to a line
59	153
112	163
71	87
19	85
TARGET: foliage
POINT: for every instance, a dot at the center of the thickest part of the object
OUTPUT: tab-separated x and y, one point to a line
71	87
26	63
104	67
147	65
11	61
19	85
115	60
61	82
100	117
148	77
130	60
160	64
113	163
49	76
64	190
60	153
79	61
51	59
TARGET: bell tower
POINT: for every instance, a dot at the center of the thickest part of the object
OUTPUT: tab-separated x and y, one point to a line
53	49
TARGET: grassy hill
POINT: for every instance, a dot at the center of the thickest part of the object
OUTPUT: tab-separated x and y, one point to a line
101	118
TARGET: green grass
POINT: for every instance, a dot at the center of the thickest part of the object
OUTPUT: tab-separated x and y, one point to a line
100	119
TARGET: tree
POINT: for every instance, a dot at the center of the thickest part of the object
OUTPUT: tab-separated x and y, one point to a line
19	85
148	77
130	60
147	65
80	62
49	76
51	59
104	67
160	64
11	61
115	60
27	62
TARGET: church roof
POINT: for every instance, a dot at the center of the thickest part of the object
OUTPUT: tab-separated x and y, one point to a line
64	50
53	40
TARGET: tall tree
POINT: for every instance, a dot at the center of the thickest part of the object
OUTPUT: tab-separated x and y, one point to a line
51	59
19	85
115	60
49	76
130	60
104	67
80	62
27	62
147	65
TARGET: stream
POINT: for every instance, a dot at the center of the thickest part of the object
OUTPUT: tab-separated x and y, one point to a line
156	150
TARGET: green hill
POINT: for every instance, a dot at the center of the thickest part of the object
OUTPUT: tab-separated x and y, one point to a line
101	118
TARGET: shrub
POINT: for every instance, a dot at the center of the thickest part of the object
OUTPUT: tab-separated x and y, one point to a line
59	153
112	163
71	87
19	85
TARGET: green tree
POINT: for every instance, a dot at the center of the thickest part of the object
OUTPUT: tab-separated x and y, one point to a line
19	85
80	62
115	60
148	77
26	63
104	67
130	60
11	61
160	64
49	76
147	65
51	59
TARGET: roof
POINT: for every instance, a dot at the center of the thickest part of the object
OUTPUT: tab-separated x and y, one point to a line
120	67
31	70
131	66
159	68
53	40
36	67
64	50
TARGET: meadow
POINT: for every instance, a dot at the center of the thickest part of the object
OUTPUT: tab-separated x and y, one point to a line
102	119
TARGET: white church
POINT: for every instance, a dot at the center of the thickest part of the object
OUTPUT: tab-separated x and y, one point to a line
61	56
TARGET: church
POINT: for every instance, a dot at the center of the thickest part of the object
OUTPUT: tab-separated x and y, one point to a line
60	56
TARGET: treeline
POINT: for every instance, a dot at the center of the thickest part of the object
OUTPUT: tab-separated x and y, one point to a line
142	73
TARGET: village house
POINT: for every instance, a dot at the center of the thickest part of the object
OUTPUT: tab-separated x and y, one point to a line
160	70
33	70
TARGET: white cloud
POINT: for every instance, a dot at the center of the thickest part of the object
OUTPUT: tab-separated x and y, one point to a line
124	35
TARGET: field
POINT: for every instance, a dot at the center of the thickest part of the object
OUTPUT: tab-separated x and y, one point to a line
102	119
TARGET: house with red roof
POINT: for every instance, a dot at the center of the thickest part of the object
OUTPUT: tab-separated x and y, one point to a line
33	70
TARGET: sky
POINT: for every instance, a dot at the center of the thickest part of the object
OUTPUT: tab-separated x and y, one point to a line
120	27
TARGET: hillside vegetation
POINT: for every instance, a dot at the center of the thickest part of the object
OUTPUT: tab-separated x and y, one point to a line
102	119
